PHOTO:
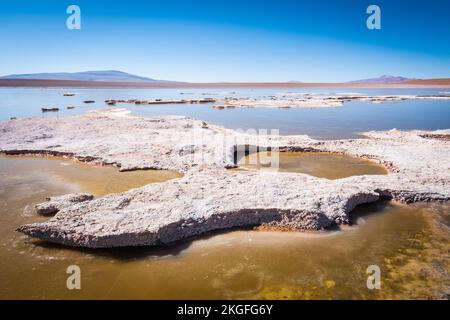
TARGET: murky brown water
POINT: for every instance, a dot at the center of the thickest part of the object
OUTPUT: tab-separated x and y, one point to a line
318	164
78	176
409	243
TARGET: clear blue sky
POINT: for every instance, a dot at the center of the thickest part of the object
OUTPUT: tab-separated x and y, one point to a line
228	40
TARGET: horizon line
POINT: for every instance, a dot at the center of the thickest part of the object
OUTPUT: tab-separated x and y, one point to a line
8	82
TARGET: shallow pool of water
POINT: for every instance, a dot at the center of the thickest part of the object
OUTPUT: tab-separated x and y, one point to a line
410	244
94	179
318	164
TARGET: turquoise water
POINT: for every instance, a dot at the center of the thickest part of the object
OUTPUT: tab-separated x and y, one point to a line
327	123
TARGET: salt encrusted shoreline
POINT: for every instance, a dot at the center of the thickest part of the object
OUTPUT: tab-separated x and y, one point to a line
210	197
299	100
285	100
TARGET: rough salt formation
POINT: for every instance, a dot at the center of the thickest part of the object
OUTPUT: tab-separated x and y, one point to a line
54	204
285	100
112	102
210	197
300	100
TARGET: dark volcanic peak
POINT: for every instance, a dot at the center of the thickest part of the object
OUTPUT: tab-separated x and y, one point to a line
107	75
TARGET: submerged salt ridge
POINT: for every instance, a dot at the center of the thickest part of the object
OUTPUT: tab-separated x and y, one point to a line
209	197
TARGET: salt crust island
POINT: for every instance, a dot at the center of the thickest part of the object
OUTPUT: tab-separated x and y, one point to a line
210	196
285	100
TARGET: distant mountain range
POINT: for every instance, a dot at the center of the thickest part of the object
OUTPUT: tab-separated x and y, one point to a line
384	79
119	76
109	76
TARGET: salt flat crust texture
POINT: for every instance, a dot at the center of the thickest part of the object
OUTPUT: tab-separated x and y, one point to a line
209	196
285	100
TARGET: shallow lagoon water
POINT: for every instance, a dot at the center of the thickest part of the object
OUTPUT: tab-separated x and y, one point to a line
325	123
409	243
318	164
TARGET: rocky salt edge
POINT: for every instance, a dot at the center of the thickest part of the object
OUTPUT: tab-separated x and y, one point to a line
209	197
299	100
285	100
